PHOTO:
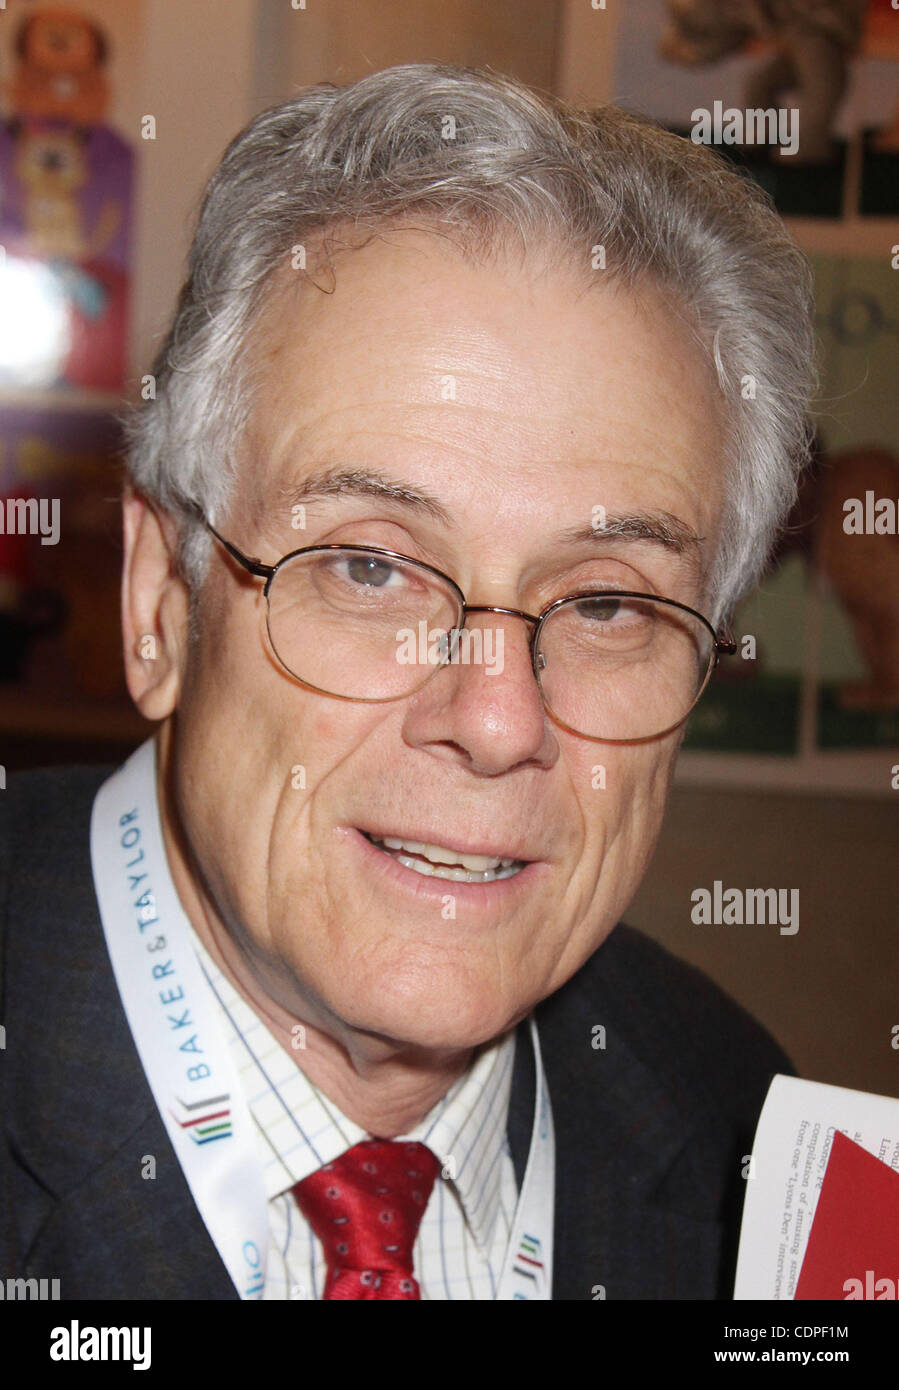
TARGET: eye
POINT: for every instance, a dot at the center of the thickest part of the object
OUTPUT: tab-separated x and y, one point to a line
371	570
601	618
613	612
599	610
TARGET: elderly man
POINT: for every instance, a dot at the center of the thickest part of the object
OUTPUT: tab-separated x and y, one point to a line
477	416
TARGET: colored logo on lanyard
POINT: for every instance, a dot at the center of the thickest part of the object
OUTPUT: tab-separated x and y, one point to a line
528	1262
214	1121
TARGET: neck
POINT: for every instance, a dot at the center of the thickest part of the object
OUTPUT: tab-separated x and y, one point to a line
382	1084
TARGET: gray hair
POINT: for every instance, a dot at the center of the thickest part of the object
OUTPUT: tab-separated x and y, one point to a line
667	212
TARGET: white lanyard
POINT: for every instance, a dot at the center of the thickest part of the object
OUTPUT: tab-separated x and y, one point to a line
529	1259
195	1084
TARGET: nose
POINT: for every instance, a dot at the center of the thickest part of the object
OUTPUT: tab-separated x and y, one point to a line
485	705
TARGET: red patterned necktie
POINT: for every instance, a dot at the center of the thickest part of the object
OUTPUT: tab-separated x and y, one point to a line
366	1208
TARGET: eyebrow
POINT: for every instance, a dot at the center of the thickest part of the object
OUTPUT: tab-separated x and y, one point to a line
363	482
659	527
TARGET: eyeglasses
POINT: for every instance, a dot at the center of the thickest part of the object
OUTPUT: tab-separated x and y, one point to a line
362	623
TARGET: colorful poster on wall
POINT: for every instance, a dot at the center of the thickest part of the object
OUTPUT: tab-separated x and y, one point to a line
753	703
59	481
65	215
821	670
68	78
778	88
855	655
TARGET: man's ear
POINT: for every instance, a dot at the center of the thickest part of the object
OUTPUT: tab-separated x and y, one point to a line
155	608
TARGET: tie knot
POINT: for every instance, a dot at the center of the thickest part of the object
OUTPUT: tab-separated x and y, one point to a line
366	1208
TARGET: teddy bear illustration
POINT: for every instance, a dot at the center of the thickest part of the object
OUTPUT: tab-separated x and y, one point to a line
61	56
51	164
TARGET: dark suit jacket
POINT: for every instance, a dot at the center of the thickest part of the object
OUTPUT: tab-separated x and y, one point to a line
650	1132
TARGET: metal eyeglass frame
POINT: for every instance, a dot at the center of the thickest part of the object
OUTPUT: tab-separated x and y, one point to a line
724	645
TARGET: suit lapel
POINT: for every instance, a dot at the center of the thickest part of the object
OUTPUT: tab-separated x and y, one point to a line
83	1125
620	1133
125	1234
521	1102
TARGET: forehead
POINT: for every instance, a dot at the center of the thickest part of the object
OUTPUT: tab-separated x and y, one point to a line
516	368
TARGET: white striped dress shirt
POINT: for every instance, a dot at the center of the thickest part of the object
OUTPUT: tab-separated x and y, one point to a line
464	1235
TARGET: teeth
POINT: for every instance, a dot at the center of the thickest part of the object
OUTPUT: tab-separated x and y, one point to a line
438	854
458	875
438	862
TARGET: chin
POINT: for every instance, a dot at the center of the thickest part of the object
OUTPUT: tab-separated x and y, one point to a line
435	1017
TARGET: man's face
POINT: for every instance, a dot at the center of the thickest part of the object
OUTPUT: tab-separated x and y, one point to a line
519	401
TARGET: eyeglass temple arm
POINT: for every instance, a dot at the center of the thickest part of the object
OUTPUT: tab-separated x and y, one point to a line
248	562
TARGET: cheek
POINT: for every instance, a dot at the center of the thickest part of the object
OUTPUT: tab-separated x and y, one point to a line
325	726
335	731
621	790
323	750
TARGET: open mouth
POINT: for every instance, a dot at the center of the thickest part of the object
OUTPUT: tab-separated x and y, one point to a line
436	861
